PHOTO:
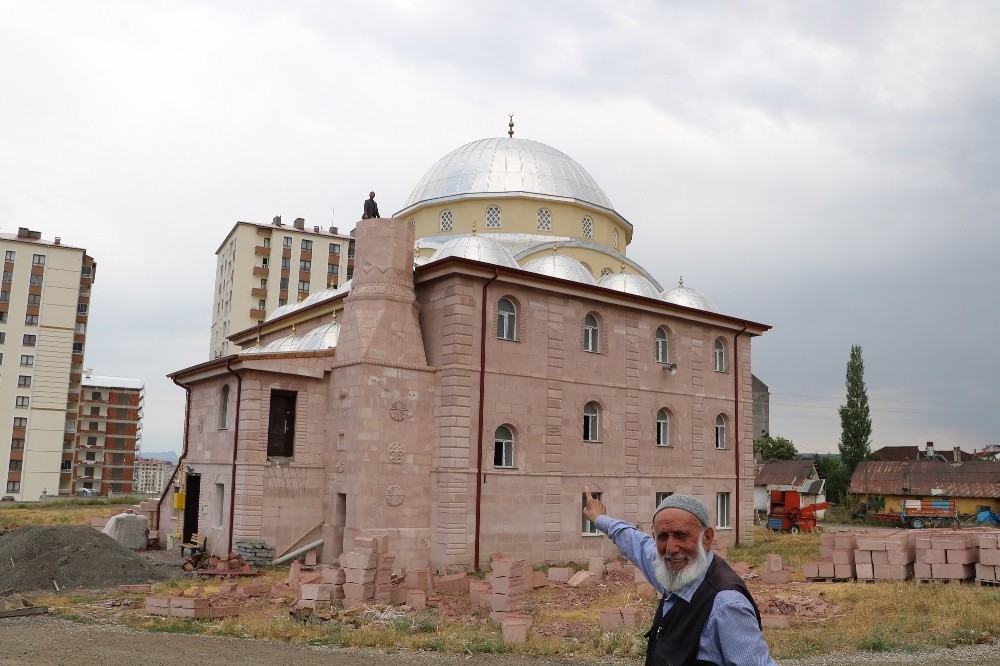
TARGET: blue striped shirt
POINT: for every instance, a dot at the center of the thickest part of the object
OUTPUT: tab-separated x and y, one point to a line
731	634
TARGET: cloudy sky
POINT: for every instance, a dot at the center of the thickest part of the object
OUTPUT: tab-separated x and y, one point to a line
830	168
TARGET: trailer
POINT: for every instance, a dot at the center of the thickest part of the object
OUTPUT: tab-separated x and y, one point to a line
921	513
786	512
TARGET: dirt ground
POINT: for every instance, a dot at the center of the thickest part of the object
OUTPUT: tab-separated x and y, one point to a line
46	641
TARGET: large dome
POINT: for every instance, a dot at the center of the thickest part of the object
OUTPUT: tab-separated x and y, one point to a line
508	165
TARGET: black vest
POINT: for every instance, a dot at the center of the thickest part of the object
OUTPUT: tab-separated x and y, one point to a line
674	639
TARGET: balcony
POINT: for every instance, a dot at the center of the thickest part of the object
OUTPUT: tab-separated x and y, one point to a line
257	292
257	314
261	271
262	251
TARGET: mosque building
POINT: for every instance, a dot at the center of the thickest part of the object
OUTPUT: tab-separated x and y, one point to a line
494	352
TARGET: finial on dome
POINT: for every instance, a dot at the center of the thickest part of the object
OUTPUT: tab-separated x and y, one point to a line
555	248
473	227
623	267
293	328
680	282
510	132
258	336
334	316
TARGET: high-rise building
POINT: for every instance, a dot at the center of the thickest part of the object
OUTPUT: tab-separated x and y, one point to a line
44	305
260	267
109	429
151	475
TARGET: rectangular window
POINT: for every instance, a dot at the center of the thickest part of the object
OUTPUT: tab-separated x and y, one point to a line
660	496
264	261
20	422
121	428
350	250
16	444
14	466
263	283
95	411
261	304
35	280
281	424
88	472
91	441
38	259
305	265
122	414
722	510
96	395
4	297
13	486
267	241
27	361
34	299
3	337
28	340
589	527
9	256
1	358
23	401
24	381
286	241
220	501
283	285
91	456
82	308
335	249
86	271
81	328
332	269
304	285
8	277
77	347
283	301
3	317
31	320
93	425
286	263
307	245
66	465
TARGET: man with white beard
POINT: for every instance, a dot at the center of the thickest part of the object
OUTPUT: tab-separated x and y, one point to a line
706	615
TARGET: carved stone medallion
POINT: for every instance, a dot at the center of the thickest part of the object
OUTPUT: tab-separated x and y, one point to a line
394	496
340	467
398	410
396	452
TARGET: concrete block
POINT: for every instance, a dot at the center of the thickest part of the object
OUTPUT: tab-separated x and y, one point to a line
315	592
775	621
453	584
515	628
844	571
582	579
646	591
846	540
780	576
774	562
986	572
477	588
932	556
810	570
539	579
620	619
359	560
397	595
964	556
826	569
596	566
844	556
879	557
893	571
953	571
903	556
506	603
991	557
360	575
420	579
359	590
865	570
921	569
416	599
509	567
560	574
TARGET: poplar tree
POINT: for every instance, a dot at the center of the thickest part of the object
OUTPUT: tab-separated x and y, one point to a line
855	417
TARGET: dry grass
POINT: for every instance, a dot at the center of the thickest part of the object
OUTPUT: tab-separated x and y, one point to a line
62	512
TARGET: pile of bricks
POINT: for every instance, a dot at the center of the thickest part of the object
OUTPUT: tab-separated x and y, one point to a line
837	550
368	573
885	555
949	555
988	567
510	582
194	604
255	552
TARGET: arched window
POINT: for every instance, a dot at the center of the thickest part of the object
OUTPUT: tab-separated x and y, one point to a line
614	238
506	320
591	334
662	346
662	428
544	219
720	432
446	219
588	227
503	447
493	217
224	408
720	355
591	422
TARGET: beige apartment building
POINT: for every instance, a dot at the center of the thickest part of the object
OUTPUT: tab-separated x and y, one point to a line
44	305
261	267
151	475
109	430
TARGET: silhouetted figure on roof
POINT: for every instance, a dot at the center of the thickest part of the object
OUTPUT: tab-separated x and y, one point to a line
371	208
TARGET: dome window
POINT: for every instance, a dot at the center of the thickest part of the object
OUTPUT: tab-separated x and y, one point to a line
446	220
662	428
493	217
503	447
605	272
544	219
588	227
614	238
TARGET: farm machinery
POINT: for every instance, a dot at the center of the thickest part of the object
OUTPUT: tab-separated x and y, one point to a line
787	513
921	513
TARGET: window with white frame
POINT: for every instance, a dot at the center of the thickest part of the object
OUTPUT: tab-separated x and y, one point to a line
506	320
286	241
660	496
307	245
591	422
503	447
662	346
38	259
493	217
22	401
591	334
224	408
589	527
588	227
544	219
446	220
720	432
719	355
662	428
722	510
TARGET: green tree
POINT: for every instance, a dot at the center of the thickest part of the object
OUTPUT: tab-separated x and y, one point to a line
775	448
855	417
833	470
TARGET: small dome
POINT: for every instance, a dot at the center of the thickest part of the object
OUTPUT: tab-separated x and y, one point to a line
420	261
689	297
280	310
630	283
508	165
477	247
321	337
560	266
285	344
318	296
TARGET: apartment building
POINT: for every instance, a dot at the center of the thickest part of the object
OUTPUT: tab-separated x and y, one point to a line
109	429
260	267
44	305
151	475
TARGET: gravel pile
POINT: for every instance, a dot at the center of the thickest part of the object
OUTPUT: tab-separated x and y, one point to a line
72	556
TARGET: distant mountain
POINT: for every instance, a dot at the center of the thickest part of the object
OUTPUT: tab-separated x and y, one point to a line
171	456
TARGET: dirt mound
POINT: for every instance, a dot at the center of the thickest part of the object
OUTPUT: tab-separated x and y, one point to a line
31	558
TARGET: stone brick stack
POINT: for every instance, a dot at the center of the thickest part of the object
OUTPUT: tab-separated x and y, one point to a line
885	555
255	552
988	567
775	572
510	583
946	555
367	572
837	553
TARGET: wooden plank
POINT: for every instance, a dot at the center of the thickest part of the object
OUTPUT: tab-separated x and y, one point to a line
27	610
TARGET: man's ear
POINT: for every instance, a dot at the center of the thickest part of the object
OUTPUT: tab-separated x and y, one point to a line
709	537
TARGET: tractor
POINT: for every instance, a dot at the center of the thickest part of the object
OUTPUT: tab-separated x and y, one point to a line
787	514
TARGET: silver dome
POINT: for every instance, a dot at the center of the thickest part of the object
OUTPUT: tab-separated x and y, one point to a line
689	297
630	283
560	266
480	248
500	165
280	310
285	344
321	337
